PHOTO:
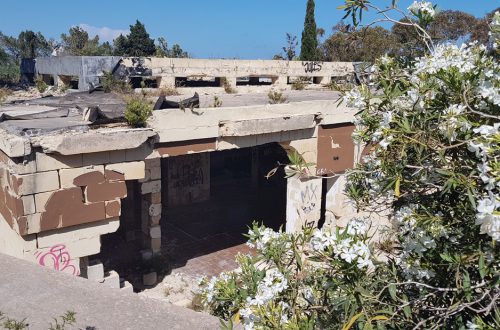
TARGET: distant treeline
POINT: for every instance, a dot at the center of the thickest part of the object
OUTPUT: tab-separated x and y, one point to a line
367	44
30	44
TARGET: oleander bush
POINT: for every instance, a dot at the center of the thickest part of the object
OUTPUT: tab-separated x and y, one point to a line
433	128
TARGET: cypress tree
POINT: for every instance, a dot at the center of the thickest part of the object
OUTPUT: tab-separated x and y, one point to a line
309	38
138	41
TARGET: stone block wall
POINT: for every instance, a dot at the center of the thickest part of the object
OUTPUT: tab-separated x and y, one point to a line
55	207
151	204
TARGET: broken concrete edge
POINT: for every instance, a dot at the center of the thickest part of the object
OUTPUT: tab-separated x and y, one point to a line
14	145
93	141
176	126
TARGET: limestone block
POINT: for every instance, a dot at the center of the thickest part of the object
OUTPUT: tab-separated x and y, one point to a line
36	183
126	286
155	173
113	209
155	245
155	232
33	223
105	191
131	170
41	199
147	176
112	280
96	158
155	210
29	204
153	163
156	198
94	272
76	233
154	221
151	187
50	162
117	156
150	279
69	175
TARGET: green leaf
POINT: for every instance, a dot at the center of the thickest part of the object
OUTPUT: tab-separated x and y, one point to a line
482	267
298	258
392	292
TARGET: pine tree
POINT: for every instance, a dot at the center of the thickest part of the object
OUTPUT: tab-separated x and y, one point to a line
120	46
139	42
309	38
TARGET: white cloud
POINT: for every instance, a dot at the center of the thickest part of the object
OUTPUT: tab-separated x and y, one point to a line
105	33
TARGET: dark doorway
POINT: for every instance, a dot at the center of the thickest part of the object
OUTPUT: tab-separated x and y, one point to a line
208	207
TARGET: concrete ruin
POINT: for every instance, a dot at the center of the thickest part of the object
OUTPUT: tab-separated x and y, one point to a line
65	183
176	72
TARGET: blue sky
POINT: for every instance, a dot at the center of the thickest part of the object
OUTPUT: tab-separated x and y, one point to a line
206	28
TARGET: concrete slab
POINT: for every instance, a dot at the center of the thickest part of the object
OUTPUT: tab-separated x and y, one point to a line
40	294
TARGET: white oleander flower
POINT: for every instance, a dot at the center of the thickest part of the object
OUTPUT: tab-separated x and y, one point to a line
422	7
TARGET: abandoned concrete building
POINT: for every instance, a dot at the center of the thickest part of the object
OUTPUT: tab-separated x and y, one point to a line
73	193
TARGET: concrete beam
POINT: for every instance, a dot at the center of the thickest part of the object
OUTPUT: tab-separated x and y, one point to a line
96	141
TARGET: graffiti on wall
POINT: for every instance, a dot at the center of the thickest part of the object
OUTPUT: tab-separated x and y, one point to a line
58	258
309	198
188	179
303	203
312	66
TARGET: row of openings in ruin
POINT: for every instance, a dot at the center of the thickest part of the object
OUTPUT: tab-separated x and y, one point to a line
151	82
209	201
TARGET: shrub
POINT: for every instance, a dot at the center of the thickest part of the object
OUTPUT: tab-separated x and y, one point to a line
217	102
111	84
434	166
300	84
137	111
41	85
227	86
276	97
4	92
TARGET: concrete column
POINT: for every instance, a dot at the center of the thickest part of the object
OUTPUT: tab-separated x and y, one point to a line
57	81
166	81
303	203
230	80
281	81
151	206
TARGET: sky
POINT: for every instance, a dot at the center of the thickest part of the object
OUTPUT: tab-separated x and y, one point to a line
246	29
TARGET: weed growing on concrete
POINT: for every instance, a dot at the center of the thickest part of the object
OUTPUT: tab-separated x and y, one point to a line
111	84
300	84
63	88
227	86
217	102
65	320
168	91
276	97
137	112
12	324
41	85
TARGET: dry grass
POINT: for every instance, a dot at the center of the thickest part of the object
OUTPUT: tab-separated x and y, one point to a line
4	92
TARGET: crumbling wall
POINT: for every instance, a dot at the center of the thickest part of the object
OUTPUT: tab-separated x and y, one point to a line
56	207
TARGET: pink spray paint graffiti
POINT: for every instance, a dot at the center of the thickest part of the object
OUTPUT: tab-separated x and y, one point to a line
57	258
